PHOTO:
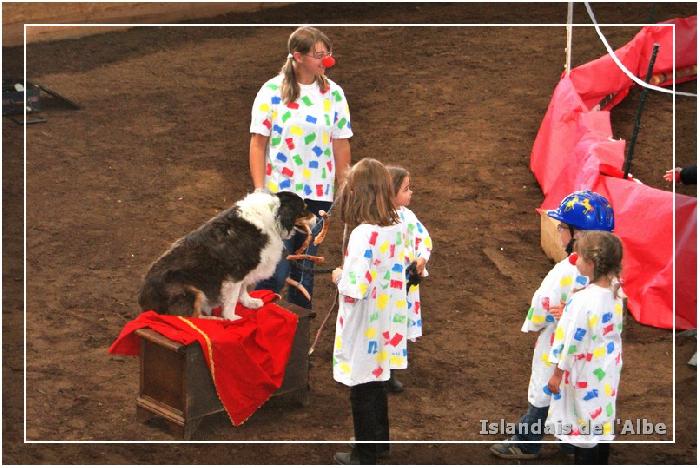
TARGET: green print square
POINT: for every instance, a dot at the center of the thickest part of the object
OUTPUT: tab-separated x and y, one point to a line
308	139
273	86
600	373
609	409
336	94
530	313
572	349
374	316
328	120
327	152
286	116
323	173
298	161
275	141
306	100
342	122
299	187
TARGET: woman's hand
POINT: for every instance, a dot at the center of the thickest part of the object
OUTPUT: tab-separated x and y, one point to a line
335	275
673	175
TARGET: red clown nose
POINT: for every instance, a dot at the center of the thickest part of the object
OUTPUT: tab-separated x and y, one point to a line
328	61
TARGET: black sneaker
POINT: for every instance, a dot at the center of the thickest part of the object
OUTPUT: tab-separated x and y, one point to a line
393	385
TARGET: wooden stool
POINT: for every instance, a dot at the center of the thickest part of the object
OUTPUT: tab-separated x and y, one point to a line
175	382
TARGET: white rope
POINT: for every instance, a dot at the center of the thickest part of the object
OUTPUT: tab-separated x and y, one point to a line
629	74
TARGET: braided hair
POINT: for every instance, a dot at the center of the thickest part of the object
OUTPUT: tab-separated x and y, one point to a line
604	250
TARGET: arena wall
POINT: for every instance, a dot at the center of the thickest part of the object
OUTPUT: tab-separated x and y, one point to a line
16	15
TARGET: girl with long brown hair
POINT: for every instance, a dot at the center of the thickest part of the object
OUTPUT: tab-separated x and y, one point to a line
300	130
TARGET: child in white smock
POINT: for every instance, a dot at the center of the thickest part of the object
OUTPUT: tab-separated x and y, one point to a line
419	246
370	337
587	351
578	212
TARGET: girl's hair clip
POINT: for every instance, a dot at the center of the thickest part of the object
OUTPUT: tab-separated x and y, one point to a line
289	56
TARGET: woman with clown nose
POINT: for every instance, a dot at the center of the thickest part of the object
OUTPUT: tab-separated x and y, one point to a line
300	130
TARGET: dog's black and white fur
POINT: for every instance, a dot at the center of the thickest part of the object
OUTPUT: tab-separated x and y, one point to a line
214	264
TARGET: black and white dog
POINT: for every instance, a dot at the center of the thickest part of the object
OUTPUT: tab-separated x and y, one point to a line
214	264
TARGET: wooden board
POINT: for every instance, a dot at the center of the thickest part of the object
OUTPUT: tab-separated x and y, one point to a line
549	238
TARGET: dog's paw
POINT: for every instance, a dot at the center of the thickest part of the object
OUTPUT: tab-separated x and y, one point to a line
252	302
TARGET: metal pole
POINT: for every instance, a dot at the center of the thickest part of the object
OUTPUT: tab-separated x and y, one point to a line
569	21
638	118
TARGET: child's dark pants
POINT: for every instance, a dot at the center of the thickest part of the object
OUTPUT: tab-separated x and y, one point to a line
370	417
597	455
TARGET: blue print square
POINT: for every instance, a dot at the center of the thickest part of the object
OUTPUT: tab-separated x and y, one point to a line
397	268
285	184
580	333
311	119
549	318
277	128
611	347
580	279
281	157
607	317
317	151
313	164
368	253
307	190
276	99
591	395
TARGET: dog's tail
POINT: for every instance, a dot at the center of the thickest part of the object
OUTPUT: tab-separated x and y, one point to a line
166	296
152	296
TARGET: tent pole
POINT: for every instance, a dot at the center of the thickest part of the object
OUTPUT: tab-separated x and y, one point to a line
569	21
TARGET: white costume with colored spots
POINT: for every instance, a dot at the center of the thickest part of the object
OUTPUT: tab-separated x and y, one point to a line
588	348
370	331
299	155
419	245
556	288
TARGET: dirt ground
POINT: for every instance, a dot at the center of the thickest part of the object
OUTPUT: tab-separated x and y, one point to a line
160	146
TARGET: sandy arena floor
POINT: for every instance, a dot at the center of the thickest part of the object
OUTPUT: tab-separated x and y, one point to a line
161	145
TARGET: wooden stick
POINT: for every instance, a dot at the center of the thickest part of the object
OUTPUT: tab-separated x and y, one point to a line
306	243
569	34
300	287
311	258
324	229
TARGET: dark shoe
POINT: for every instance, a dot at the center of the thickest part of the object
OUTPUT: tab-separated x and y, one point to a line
346	458
510	451
393	385
382	453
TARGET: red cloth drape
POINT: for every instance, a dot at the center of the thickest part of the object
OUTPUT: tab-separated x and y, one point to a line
574	150
247	357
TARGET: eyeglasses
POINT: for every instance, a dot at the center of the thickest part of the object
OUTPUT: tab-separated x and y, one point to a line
320	55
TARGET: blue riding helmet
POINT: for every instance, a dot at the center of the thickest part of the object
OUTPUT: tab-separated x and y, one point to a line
586	211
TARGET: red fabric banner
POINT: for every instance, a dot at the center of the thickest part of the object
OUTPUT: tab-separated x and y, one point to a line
247	358
575	150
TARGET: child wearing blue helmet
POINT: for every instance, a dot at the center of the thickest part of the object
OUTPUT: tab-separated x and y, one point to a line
578	211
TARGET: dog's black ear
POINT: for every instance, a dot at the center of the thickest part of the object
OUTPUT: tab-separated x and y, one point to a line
291	207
